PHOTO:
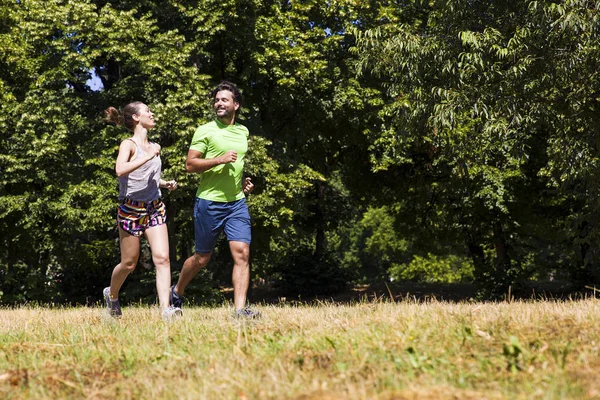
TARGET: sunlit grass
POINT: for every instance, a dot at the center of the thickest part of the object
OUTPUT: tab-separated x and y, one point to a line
378	350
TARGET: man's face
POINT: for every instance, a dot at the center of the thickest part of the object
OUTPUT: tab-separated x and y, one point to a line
224	105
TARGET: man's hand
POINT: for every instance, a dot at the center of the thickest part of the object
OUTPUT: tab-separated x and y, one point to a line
247	186
228	157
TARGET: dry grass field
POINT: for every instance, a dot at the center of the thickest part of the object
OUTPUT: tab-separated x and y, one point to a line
329	351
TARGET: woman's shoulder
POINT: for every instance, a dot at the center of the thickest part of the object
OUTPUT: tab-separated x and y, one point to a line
129	142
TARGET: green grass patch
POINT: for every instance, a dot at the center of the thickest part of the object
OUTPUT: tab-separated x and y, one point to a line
379	350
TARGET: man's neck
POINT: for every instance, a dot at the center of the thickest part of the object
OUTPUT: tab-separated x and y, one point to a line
227	121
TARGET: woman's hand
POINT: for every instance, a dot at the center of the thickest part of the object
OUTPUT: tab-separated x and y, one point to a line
155	152
171	185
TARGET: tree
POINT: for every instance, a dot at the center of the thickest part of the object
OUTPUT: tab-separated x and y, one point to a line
473	88
58	189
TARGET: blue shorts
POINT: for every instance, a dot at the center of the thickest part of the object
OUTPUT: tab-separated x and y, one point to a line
213	217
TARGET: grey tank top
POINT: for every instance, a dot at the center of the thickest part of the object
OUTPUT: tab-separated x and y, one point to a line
142	183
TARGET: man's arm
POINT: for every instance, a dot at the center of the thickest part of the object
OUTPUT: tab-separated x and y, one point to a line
195	162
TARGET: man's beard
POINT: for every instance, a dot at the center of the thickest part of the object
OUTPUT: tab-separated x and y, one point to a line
224	113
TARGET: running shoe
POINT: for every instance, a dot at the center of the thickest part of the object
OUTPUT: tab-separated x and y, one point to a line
113	306
176	299
247	313
171	313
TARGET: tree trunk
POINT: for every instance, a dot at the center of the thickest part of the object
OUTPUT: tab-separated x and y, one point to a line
320	241
477	255
502	258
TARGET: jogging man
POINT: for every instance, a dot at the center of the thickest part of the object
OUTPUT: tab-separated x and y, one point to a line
217	153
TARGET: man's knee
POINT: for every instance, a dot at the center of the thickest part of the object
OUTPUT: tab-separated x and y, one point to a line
199	260
240	252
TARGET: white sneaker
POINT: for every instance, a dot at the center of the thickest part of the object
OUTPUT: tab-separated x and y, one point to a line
171	312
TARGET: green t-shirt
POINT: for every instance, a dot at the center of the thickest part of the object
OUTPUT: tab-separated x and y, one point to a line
223	182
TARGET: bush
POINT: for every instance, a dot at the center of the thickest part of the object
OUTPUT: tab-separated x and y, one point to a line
434	269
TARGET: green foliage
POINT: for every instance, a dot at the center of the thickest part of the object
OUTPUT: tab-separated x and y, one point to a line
485	93
434	269
380	133
370	244
58	189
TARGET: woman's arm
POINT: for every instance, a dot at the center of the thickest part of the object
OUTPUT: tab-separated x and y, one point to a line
126	150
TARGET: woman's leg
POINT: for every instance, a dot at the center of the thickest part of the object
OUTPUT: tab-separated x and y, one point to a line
130	251
158	238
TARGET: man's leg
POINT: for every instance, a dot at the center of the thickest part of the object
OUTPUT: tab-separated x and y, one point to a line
204	223
240	252
190	268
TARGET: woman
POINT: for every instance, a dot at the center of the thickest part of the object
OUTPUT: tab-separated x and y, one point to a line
141	211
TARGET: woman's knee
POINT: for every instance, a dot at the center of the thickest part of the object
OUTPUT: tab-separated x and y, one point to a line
161	260
129	265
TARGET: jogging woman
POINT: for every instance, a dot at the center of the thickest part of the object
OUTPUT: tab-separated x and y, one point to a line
141	210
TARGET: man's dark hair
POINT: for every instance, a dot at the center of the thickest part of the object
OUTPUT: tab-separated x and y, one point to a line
225	85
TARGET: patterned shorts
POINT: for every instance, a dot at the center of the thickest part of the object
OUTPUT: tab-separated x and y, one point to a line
134	217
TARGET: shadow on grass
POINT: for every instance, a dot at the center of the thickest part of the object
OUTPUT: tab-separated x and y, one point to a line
420	292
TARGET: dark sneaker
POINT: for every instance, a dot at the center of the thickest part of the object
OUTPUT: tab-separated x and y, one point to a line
247	313
113	307
171	313
176	300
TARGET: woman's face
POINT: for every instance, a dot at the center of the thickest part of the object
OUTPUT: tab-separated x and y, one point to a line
145	117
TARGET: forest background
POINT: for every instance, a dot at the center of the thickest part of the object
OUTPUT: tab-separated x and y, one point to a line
391	141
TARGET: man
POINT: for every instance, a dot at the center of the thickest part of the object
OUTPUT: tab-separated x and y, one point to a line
217	153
